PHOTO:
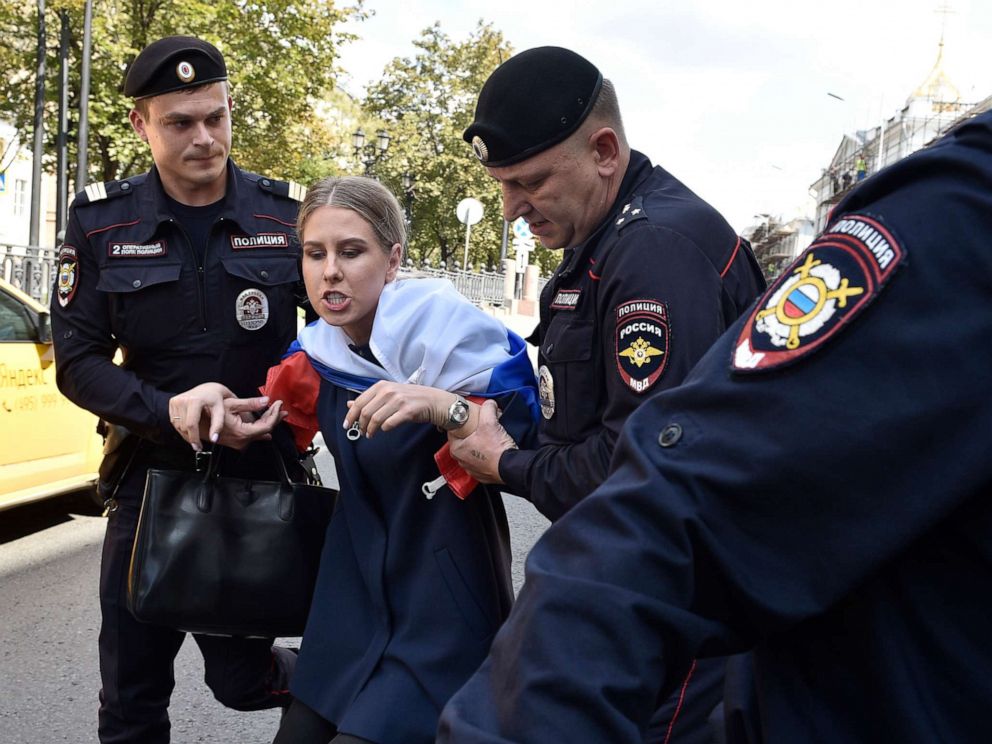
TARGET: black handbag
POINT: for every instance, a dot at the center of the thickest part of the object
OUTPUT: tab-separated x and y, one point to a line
227	556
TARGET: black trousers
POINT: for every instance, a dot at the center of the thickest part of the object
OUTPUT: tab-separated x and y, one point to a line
304	725
136	659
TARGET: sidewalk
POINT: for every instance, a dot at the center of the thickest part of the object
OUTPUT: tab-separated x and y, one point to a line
522	325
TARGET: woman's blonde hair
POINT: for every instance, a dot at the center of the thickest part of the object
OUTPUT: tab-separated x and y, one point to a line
372	201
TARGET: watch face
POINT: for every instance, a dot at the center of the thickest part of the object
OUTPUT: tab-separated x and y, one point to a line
458	413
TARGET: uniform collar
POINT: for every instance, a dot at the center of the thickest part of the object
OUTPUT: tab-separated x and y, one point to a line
153	200
638	170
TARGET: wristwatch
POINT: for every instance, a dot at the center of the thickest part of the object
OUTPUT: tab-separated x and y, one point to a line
457	414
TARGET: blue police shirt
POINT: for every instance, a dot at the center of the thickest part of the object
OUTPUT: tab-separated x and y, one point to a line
129	276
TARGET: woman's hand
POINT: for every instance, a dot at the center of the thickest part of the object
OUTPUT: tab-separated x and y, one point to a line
211	411
386	405
479	451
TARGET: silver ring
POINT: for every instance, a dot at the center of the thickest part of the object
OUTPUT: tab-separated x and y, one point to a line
354	433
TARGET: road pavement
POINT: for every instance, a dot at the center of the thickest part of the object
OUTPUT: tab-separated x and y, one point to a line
49	615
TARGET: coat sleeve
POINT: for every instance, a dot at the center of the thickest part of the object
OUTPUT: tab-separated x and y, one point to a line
85	348
782	492
653	266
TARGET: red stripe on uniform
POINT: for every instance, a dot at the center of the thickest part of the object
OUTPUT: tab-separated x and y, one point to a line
732	257
685	684
275	219
111	227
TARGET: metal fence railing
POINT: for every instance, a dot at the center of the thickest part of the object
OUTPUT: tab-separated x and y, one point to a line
484	288
29	268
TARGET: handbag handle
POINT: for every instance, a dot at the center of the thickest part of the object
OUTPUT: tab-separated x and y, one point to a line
217	453
205	496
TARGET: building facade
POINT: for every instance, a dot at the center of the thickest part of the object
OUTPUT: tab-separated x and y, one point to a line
26	267
777	243
930	110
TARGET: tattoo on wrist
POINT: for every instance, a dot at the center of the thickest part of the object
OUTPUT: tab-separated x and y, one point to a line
478	455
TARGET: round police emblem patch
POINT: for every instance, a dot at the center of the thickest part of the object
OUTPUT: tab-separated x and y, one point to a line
546	391
642	343
252	309
185	72
828	285
480	149
68	276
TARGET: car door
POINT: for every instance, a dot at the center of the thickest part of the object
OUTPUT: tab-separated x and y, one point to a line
47	444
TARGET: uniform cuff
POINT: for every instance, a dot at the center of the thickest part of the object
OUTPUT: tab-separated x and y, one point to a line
513	467
165	433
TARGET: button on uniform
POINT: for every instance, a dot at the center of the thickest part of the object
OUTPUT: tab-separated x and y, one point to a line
670	435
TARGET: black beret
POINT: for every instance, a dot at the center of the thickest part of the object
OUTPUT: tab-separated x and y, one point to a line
532	101
171	64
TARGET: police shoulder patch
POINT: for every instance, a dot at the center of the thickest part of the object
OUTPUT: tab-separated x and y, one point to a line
68	275
837	277
642	336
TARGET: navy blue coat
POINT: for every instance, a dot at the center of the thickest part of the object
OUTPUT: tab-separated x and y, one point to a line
817	490
411	591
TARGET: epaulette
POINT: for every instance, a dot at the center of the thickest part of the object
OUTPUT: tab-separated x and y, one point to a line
632	212
289	189
101	190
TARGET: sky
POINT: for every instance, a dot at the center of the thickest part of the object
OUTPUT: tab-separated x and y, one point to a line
728	95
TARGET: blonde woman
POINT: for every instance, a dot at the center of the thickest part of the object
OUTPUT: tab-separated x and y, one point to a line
415	578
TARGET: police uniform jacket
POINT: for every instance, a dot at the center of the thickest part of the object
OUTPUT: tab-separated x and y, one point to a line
818	489
129	277
627	313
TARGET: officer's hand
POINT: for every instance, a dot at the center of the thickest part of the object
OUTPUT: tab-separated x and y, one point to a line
386	405
200	412
479	452
238	427
186	409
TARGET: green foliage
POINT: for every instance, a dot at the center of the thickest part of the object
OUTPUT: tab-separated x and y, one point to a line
425	103
281	55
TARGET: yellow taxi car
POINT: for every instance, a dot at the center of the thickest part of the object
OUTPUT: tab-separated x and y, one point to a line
47	445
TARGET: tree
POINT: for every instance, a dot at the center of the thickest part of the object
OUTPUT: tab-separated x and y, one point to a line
426	103
280	54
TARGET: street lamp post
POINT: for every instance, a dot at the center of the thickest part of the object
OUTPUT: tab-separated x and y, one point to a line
408	194
371	153
469	212
39	131
84	100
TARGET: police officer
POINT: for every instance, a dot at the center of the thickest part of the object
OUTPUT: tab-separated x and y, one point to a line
650	277
191	271
817	489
